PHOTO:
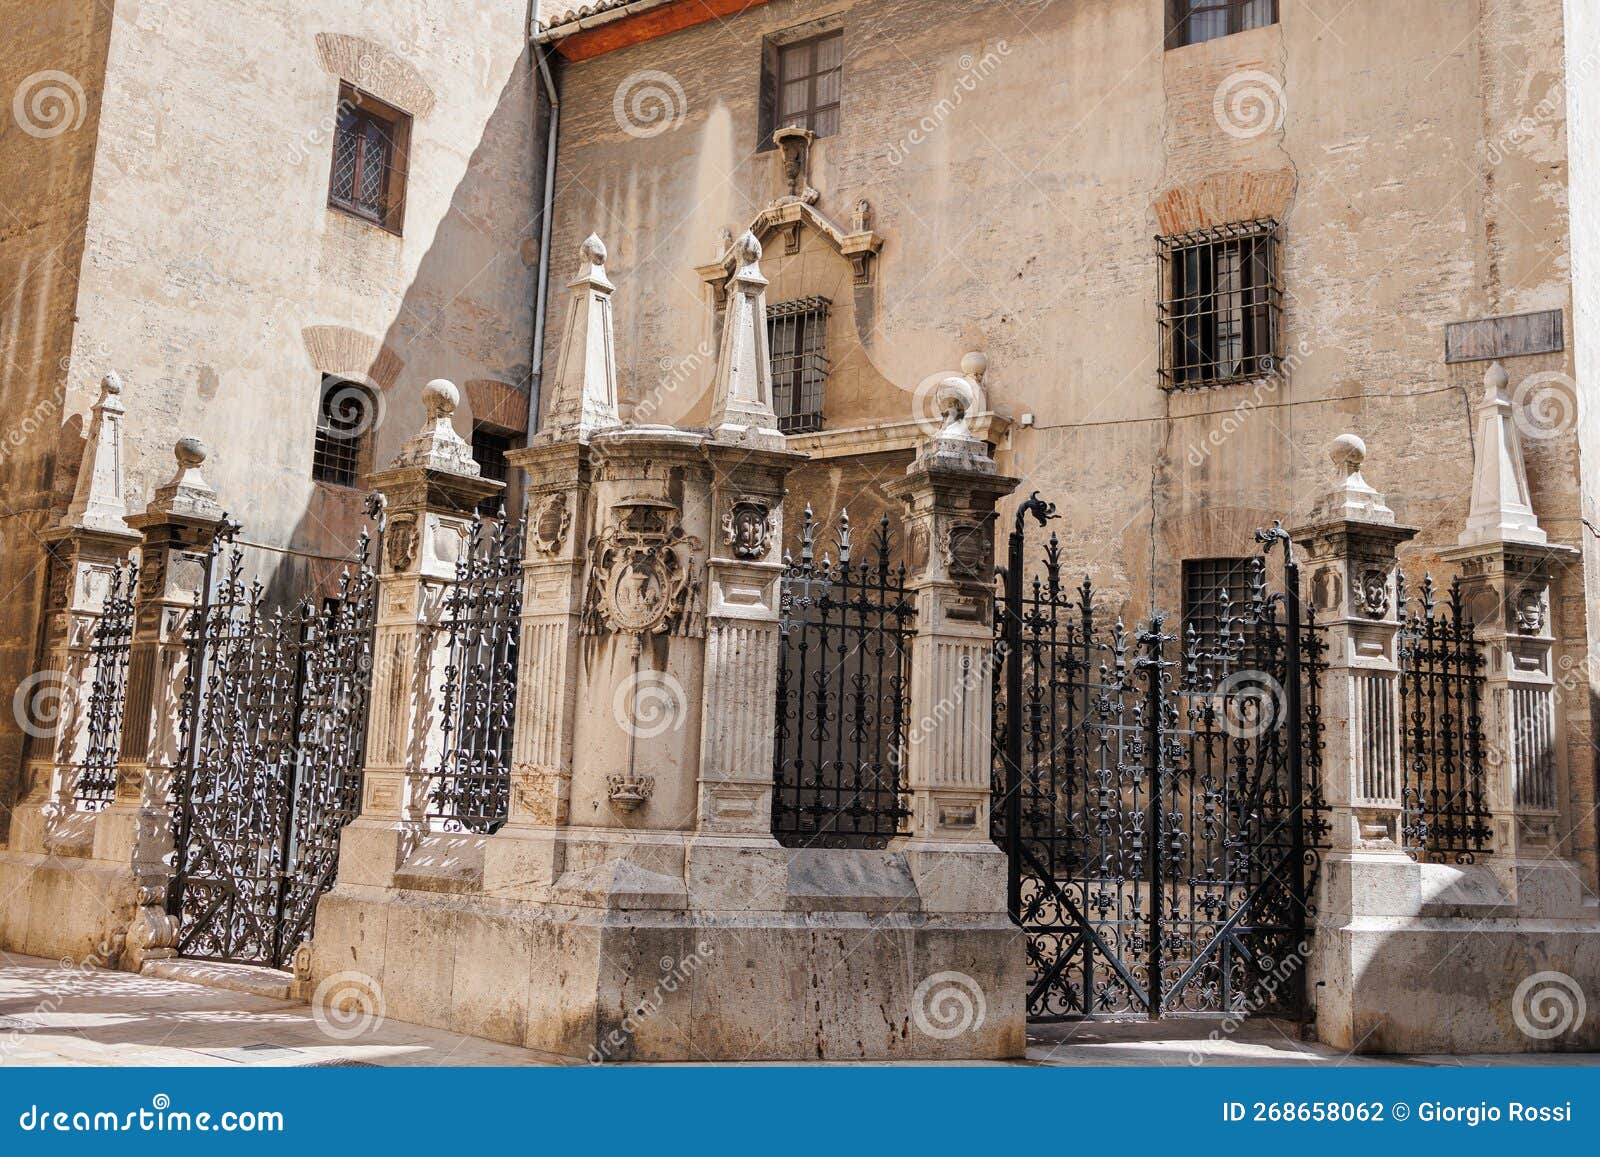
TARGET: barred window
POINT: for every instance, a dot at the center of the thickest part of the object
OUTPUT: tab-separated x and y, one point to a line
489	451
1205	581
346	413
1195	21
797	336
800	85
1220	304
370	141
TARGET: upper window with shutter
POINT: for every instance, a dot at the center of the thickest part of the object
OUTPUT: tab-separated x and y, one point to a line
370	144
800	85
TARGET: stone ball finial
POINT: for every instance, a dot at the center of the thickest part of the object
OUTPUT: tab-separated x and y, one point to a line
190	452
440	397
593	250
975	365
111	383
1495	380
748	249
953	397
1348	452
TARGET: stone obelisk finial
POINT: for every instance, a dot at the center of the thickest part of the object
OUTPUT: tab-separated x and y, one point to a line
741	410
584	399
97	502
1501	510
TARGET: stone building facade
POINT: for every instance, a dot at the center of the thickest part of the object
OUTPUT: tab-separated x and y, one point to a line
1149	261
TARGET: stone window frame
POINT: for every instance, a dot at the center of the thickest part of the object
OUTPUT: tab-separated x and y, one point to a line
358	110
772	48
1219	324
1197	21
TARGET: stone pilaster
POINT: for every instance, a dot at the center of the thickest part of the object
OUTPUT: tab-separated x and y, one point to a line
178	528
1349	557
430	492
950	491
528	851
1507	568
85	548
744	579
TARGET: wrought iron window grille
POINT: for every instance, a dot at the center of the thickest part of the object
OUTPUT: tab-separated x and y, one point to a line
1221	305
346	415
797	338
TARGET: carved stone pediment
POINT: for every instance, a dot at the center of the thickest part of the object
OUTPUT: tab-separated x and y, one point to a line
790	216
644	574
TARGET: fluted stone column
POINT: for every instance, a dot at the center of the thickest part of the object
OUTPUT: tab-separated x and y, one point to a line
1507	567
177	527
950	491
431	491
86	546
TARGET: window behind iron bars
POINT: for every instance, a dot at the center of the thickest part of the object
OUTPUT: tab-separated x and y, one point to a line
343	419
1195	21
1220	304
1204	581
797	333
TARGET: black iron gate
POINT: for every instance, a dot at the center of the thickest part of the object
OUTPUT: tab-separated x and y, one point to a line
273	732
1157	796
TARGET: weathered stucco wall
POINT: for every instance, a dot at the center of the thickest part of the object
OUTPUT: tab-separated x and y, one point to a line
51	60
1019	160
215	278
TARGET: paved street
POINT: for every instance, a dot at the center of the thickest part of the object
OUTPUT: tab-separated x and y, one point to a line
50	1015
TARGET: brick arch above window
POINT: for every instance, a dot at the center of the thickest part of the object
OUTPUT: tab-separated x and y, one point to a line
497	405
1224	198
349	353
377	69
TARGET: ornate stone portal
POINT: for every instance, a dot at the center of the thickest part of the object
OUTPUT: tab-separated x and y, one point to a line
639	844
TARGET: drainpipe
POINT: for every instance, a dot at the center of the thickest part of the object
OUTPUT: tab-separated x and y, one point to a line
541	61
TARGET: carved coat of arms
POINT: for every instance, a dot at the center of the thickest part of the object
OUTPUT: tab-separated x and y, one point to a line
644	574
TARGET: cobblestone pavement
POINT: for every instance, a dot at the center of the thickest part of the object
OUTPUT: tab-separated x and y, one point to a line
55	1015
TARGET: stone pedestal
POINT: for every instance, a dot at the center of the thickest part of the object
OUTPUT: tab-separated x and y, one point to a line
636	905
430	493
1408	956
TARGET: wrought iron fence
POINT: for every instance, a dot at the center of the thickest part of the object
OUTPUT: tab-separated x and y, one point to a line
94	783
471	789
843	693
1445	816
1158	797
273	730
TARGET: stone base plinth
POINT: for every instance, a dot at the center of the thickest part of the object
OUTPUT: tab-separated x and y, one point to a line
618	964
64	908
1432	958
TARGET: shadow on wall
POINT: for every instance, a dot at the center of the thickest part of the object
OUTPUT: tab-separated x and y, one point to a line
467	315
